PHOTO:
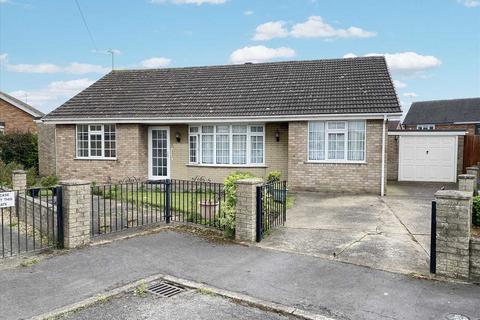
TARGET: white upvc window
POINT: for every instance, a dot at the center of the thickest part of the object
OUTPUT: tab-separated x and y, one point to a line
336	141
425	127
227	144
96	141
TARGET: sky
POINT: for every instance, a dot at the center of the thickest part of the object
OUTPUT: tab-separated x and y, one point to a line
51	50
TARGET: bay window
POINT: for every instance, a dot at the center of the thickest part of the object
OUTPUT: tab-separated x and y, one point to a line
96	141
336	141
227	144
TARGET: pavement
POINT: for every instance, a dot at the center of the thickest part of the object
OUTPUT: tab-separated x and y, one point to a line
388	233
330	288
187	305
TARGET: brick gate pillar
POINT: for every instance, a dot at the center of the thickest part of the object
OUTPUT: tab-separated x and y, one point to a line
474	170
454	219
466	182
76	206
246	210
19	180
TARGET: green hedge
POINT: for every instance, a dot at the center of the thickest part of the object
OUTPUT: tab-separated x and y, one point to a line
476	211
19	148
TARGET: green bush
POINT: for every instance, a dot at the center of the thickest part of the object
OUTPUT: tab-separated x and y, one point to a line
230	186
49	181
274	176
21	148
6	171
476	211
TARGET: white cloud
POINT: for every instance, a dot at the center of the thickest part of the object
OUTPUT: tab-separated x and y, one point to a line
156	62
248	12
260	54
3	57
350	55
197	2
469	3
399	84
315	27
410	95
54	94
405	62
72	68
270	30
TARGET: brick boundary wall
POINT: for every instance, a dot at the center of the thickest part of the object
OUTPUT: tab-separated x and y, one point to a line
475	259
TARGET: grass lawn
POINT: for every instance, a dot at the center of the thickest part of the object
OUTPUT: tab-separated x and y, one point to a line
185	202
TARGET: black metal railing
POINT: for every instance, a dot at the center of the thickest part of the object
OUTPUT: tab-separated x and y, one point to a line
271	207
32	223
116	207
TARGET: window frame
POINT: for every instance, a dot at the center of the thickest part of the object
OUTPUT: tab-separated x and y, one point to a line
248	134
95	132
345	130
425	127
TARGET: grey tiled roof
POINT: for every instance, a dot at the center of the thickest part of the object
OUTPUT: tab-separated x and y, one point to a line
336	86
443	111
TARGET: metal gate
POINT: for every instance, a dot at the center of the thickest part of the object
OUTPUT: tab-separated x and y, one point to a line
30	220
127	205
271	207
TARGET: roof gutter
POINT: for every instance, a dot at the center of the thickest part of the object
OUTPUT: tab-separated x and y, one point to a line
352	116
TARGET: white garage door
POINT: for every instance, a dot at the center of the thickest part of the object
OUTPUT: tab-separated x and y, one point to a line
427	158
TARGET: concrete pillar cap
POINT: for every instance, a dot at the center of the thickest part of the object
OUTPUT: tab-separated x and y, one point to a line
250	181
454	194
73	182
466	176
19	171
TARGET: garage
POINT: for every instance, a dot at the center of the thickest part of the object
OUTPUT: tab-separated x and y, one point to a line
429	156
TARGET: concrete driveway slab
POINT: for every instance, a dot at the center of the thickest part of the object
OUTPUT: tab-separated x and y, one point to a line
390	233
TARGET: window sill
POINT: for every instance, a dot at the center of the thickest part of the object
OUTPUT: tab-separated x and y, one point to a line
227	165
334	162
94	159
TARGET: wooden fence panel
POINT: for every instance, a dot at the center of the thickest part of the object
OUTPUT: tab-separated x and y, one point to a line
471	151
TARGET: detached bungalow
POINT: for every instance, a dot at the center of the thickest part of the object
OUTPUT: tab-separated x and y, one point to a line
321	123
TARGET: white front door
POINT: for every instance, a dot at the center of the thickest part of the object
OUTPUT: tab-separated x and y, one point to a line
428	158
158	153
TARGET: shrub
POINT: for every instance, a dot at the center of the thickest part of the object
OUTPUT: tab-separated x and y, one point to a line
476	211
49	181
230	186
274	176
6	171
21	148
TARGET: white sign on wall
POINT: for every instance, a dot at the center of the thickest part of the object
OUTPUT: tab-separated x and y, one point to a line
7	199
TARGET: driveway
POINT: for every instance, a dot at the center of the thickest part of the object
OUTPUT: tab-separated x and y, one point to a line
390	233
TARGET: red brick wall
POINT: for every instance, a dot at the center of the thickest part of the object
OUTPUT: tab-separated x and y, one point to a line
16	119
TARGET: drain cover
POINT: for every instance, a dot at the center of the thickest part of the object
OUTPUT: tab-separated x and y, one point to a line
165	289
454	316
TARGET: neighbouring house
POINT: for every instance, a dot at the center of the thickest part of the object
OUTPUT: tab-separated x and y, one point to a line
441	139
455	114
321	123
17	116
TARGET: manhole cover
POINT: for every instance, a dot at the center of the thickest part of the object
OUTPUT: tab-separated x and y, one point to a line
454	316
165	289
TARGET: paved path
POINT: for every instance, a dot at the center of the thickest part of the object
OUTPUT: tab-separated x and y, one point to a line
306	282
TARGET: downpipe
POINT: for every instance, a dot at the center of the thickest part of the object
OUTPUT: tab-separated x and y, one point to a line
382	183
